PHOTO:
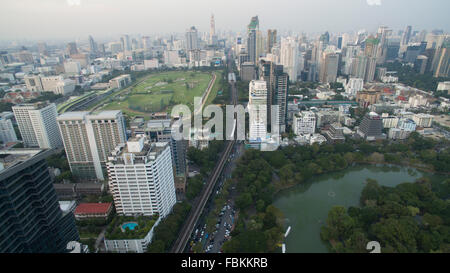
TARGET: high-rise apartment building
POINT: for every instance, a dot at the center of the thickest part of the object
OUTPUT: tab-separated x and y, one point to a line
89	139
289	57
141	178
257	106
31	217
7	133
37	125
329	67
192	39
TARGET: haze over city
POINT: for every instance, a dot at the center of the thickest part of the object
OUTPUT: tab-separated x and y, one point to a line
66	19
231	126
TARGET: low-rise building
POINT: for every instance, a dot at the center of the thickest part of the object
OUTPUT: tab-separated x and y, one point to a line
120	81
93	210
304	123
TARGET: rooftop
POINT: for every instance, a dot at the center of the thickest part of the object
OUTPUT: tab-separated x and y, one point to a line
93	208
12	157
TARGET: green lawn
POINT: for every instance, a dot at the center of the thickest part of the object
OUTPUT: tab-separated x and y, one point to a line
160	92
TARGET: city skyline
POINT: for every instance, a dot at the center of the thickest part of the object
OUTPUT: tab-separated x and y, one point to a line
69	18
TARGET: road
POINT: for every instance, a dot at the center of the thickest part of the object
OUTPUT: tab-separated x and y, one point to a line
197	209
228	219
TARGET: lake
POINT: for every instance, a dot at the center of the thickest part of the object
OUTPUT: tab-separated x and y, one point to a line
306	206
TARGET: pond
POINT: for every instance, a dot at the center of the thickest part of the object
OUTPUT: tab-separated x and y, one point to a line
306	206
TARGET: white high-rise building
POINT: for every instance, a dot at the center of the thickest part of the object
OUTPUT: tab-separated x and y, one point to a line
7	133
354	86
257	107
141	178
289	57
304	123
89	139
37	125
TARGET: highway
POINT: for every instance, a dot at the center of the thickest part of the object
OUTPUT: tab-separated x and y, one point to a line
197	209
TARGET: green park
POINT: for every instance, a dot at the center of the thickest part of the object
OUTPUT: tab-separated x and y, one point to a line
159	92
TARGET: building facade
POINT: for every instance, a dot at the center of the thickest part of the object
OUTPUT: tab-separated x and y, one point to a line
37	125
88	140
141	178
32	220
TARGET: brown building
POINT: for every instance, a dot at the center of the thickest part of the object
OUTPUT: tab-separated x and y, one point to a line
368	97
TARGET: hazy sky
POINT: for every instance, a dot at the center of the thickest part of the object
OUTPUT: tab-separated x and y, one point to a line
43	19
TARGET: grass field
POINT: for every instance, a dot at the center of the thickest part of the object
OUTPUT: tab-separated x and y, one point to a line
159	92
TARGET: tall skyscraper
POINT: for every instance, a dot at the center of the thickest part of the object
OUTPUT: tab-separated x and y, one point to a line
370	52
192	39
271	39
252	30
277	83
92	45
37	124
71	48
441	61
329	67
406	35
89	139
125	40
382	35
141	178
257	106
212	31
289	57
31	218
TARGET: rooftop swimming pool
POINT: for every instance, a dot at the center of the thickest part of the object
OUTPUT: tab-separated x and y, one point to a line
130	226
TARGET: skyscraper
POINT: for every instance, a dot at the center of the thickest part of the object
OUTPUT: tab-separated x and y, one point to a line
329	67
89	139
192	39
92	45
212	31
257	106
252	30
271	39
141	178
71	48
441	61
125	40
406	35
289	57
31	218
37	124
277	83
